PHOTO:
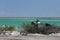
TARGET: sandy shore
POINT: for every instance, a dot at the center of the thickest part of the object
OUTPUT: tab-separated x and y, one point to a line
41	38
31	38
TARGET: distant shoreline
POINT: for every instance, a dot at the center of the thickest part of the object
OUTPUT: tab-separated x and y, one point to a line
31	17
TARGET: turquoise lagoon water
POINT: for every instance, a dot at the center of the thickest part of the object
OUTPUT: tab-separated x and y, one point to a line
17	22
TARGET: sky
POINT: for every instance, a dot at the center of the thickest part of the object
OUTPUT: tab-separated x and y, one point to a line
29	8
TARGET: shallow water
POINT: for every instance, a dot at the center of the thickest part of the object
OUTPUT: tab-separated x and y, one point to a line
17	22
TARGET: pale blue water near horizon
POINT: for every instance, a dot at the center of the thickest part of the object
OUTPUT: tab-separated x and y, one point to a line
18	21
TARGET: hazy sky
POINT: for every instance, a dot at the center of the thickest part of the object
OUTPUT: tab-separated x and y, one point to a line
29	8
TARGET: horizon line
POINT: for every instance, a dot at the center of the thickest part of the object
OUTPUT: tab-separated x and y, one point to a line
29	17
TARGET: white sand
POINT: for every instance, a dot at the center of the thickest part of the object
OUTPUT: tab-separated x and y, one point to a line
30	38
34	37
